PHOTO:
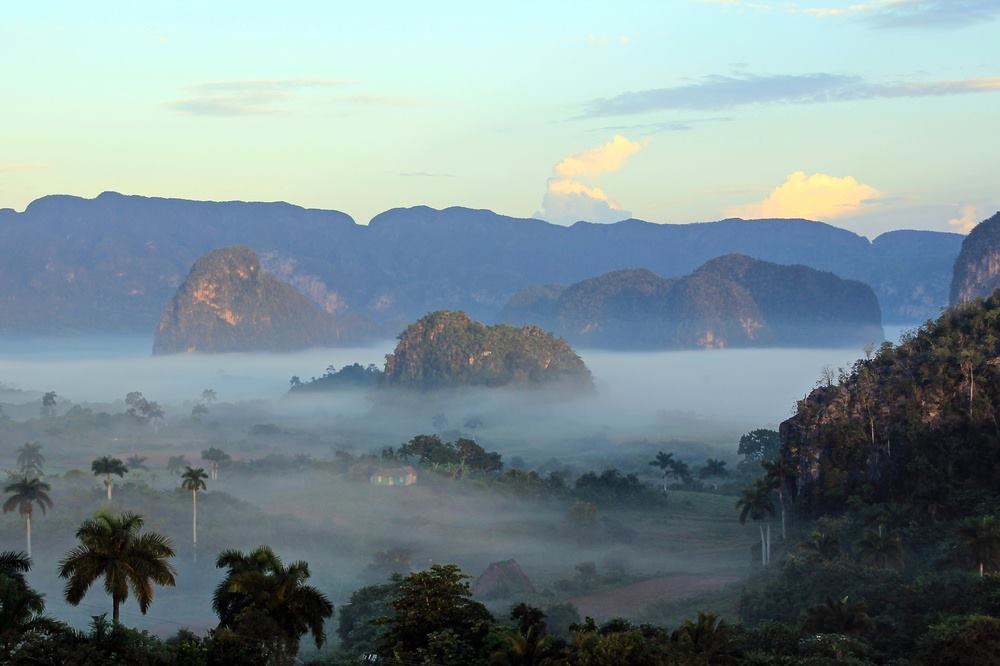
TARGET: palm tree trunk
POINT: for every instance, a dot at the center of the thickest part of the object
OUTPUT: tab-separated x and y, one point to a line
768	542
781	500
980	564
107	484
763	547
27	524
194	517
115	614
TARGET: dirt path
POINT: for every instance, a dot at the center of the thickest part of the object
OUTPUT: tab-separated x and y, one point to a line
632	598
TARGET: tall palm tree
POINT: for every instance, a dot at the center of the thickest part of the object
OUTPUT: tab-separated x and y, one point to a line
108	466
777	472
215	456
879	548
30	459
665	462
114	548
982	537
713	468
257	582
25	494
755	503
176	463
194	480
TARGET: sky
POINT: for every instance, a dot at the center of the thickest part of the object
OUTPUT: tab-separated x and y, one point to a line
868	114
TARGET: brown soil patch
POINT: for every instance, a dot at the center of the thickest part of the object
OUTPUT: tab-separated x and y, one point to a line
633	598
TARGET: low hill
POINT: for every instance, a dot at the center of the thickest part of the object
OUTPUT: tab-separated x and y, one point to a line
229	303
731	301
447	349
977	268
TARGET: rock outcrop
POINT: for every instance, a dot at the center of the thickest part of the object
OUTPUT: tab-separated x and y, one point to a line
447	349
229	303
977	268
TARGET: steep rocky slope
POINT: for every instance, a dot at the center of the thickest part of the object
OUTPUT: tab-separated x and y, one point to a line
229	303
977	268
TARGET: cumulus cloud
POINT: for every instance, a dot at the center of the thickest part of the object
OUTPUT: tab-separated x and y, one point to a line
966	221
569	200
727	91
815	197
603	159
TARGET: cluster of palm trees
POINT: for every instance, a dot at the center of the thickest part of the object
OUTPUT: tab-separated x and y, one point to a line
29	491
130	563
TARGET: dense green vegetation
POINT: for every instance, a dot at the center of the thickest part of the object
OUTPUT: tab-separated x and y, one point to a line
447	349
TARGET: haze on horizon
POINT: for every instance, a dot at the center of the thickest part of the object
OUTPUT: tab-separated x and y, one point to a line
669	112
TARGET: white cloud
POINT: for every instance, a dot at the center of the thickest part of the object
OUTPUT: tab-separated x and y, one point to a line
815	197
568	200
964	223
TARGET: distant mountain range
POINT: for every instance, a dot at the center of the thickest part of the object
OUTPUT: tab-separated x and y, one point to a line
731	301
112	263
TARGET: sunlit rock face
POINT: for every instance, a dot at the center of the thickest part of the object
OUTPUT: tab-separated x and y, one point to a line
229	303
447	349
977	269
730	301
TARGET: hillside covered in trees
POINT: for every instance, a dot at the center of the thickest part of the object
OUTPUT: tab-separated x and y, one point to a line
445	349
731	301
917	423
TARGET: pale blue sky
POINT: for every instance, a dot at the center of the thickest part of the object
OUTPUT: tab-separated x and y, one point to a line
363	108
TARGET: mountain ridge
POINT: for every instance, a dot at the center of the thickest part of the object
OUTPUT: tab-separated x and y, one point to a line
109	264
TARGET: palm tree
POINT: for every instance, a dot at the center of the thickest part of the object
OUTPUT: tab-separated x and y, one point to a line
25	494
49	403
982	537
208	396
664	461
880	549
115	548
194	480
777	472
136	463
108	466
713	469
30	459
755	503
176	463
217	457
839	617
20	606
707	638
260	583
821	545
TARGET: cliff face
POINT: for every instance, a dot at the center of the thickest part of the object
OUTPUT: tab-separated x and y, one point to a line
229	303
977	268
447	349
908	421
731	301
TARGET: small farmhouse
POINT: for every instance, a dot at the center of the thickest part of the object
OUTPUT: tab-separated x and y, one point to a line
394	476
